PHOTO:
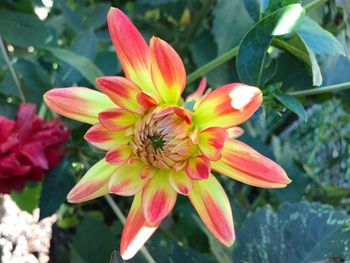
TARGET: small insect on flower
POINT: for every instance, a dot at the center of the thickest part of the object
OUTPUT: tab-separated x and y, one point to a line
158	145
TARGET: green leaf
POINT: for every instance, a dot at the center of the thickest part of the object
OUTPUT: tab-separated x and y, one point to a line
94	16
155	2
84	65
291	103
255	8
28	198
229	27
319	40
301	232
57	183
297	47
23	29
253	47
84	44
94	242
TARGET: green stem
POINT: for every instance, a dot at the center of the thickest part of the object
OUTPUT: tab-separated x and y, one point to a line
12	71
212	65
314	4
233	52
321	90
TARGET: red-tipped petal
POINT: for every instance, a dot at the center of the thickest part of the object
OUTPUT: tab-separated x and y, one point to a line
119	154
211	202
126	180
184	114
228	106
81	104
147	172
158	198
105	139
212	141
198	168
168	71
131	48
197	95
235	132
146	100
121	91
243	163
93	184
181	182
136	230
117	119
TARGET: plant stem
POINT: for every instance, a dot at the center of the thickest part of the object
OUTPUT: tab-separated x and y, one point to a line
314	4
212	65
121	217
12	71
320	90
201	71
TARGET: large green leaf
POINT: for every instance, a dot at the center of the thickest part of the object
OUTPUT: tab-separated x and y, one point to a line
57	183
319	40
301	232
84	44
94	242
231	22
23	29
297	47
253	47
84	65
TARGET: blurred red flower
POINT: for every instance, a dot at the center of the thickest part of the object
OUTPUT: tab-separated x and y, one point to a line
28	147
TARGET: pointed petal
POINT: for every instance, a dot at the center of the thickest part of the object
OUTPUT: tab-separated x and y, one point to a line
81	104
197	95
121	91
117	119
168	71
184	114
119	154
158	198
198	168
131	48
93	184
126	180
211	142
235	132
136	230
243	163
211	202
105	139
228	106
181	182
146	100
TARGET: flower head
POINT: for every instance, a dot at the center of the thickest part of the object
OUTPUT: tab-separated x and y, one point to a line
159	146
28	147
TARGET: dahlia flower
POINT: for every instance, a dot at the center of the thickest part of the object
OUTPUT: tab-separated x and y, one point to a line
158	145
29	147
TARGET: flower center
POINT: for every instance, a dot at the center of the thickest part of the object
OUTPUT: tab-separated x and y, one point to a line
161	139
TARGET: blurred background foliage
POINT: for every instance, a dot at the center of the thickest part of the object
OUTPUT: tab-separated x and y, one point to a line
66	43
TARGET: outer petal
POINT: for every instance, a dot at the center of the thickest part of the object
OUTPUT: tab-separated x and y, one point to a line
119	154
93	184
158	198
105	139
136	230
81	104
117	119
6	128
211	142
181	182
209	199
168	71
126	180
121	91
227	106
198	168
131	48
243	163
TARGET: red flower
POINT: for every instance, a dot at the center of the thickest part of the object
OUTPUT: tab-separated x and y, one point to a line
28	147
